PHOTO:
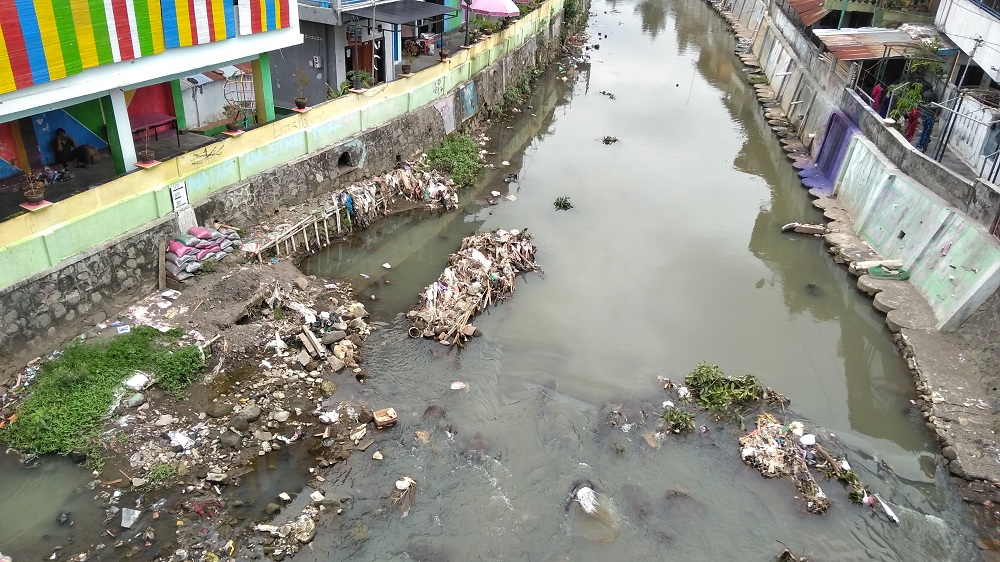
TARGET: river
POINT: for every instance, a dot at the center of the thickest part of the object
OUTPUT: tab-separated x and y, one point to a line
672	255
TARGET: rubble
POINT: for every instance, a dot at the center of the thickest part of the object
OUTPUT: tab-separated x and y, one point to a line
481	273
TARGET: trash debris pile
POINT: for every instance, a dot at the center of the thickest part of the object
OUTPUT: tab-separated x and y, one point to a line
355	207
481	273
188	253
777	450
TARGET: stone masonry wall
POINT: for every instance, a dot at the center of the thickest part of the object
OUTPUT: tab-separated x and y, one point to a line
981	334
43	312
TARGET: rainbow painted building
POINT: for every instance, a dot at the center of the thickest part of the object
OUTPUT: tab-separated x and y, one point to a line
101	68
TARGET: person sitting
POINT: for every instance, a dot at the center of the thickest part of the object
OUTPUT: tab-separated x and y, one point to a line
66	150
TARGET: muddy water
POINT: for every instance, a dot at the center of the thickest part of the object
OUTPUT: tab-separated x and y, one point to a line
671	256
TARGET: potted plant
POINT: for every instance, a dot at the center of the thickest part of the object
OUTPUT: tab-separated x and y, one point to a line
410	52
34	190
301	80
233	115
146	154
442	55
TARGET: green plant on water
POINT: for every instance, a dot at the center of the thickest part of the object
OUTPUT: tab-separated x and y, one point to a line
563	204
457	156
757	78
678	420
75	391
719	393
162	475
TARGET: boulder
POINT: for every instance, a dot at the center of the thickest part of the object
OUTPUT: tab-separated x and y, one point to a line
230	439
251	413
333	337
280	416
219	409
239	423
272	509
216	477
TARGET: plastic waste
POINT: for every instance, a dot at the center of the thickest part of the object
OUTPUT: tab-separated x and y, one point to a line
129	517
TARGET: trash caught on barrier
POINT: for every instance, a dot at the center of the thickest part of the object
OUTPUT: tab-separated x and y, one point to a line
481	273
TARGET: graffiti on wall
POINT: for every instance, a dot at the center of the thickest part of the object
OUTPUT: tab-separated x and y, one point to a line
468	100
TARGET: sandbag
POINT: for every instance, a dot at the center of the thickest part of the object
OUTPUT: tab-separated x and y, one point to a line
179	260
201	254
192	267
173	268
181	276
179	249
200	232
207	255
187	239
202	244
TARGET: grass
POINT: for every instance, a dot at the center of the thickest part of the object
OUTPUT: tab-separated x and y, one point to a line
457	156
74	392
563	204
162	474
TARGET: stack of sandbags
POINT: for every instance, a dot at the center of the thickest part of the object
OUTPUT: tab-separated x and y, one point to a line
187	253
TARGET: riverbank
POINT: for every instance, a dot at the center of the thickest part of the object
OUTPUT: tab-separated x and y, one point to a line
950	387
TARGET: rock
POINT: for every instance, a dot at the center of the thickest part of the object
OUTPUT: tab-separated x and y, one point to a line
377	455
263	436
164	420
219	409
357	310
469	330
358	324
239	423
216	477
949	453
365	415
333	337
303	358
231	439
135	400
336	364
340	326
327	388
283	496
317	496
272	509
305	529
251	413
64	518
302	283
139	482
280	416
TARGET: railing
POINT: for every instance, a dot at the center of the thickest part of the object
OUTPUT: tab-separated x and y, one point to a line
339	5
991	7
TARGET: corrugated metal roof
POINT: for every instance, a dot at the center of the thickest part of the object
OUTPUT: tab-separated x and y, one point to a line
215	75
876	42
809	11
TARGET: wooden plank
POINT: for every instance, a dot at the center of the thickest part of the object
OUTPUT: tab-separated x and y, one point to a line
163	266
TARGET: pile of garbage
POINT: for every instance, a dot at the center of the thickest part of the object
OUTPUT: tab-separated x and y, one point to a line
416	182
777	450
188	253
481	273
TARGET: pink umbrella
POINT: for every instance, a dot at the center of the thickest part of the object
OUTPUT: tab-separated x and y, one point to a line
497	8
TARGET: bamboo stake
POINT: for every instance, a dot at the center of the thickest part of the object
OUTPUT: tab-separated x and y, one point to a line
326	230
305	238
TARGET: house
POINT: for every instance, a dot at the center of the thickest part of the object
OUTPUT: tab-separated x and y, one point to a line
109	71
341	36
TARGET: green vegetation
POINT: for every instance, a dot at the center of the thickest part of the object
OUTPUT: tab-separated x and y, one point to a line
457	156
518	93
757	78
162	475
718	393
572	10
563	204
907	97
925	59
74	392
678	420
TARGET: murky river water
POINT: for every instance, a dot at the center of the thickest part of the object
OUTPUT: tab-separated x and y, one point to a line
671	256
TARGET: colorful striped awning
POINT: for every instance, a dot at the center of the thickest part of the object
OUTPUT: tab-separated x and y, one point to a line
45	40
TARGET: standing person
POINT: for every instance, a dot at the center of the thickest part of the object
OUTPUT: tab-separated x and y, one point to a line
66	150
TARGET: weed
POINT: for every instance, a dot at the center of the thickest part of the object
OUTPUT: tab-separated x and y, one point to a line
75	391
718	393
162	474
678	420
457	156
563	204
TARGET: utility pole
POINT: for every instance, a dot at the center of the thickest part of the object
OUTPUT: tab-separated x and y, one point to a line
968	63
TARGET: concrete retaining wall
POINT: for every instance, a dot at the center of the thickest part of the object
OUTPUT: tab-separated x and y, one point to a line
953	261
234	183
979	200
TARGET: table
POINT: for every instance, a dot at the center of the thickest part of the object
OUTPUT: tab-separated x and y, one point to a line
152	120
